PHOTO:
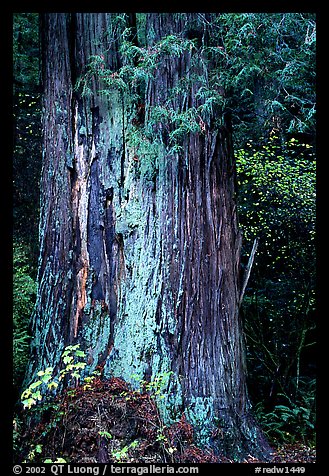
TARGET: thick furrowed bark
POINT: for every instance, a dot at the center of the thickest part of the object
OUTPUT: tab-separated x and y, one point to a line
143	273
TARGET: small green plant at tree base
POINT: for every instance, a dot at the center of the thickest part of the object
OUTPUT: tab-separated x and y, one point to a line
72	368
121	456
161	437
105	434
38	390
37	449
89	380
32	394
155	386
57	460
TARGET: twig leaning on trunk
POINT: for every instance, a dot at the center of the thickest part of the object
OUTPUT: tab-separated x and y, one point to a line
248	270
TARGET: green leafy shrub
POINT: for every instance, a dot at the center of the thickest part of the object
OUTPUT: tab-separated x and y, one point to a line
38	390
38	399
276	203
293	421
276	190
156	386
121	456
24	292
57	460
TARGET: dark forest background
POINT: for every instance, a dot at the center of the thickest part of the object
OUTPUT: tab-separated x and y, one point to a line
267	72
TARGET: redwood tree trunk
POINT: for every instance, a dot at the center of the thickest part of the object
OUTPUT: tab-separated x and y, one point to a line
139	258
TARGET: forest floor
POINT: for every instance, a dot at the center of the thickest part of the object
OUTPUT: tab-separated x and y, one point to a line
106	421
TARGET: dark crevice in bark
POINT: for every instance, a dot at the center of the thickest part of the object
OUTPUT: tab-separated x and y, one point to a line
95	234
72	30
123	156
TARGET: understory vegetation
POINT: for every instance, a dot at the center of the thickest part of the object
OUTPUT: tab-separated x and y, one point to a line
24	291
97	420
272	108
